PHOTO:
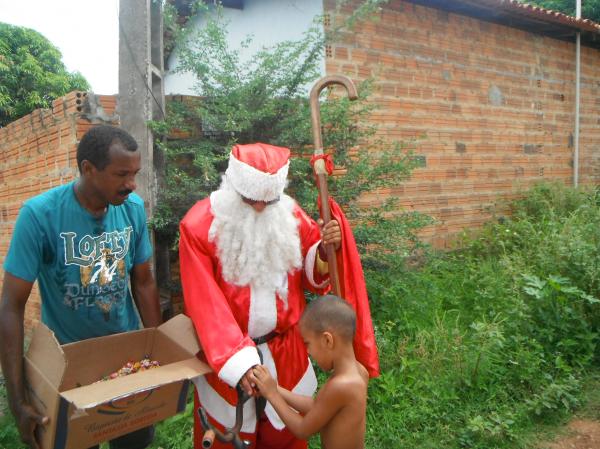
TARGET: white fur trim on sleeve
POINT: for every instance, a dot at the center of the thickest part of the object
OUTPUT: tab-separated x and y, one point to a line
309	266
221	410
224	413
238	364
255	184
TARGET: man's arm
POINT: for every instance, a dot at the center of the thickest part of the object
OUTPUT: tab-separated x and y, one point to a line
15	293
145	294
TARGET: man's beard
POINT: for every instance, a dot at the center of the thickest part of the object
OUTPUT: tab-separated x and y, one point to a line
255	248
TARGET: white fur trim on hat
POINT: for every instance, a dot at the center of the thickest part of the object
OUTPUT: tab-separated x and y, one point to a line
255	184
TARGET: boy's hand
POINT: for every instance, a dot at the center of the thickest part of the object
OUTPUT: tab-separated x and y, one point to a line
264	381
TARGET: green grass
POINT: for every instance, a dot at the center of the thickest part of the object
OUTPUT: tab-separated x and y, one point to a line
9	436
591	403
483	345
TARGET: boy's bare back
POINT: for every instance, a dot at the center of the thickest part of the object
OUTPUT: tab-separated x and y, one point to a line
348	391
338	411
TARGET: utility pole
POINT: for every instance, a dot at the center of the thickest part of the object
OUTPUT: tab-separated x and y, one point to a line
141	99
141	91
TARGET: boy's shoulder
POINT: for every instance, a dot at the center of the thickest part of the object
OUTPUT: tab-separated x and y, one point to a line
364	373
347	386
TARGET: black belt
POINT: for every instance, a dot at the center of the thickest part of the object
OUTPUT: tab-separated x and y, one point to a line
265	338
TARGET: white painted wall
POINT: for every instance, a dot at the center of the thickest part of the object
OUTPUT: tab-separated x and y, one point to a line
268	21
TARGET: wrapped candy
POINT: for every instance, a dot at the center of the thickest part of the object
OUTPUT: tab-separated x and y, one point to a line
133	367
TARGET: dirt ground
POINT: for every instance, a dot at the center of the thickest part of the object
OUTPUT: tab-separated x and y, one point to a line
581	434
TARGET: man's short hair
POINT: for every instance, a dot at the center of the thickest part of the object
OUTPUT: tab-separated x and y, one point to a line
95	143
330	313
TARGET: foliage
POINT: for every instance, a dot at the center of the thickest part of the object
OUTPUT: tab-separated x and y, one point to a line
482	347
9	435
31	73
590	9
483	344
176	432
478	346
265	99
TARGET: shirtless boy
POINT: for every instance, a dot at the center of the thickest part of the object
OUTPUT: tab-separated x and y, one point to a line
338	410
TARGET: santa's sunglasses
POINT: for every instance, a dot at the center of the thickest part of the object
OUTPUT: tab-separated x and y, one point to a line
250	202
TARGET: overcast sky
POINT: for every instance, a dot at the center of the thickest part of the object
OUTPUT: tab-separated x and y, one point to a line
85	31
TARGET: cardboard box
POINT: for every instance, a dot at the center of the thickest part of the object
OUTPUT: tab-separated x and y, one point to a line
62	382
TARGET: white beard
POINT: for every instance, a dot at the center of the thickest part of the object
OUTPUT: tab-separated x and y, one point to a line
255	248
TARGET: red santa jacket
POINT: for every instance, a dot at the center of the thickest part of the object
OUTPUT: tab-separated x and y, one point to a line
222	312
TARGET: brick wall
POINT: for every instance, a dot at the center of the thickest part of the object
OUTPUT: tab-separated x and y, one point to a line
38	152
495	106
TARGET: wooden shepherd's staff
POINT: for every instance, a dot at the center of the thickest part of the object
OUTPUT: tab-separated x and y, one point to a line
319	163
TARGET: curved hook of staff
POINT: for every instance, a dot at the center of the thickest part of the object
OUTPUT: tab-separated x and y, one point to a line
319	165
315	111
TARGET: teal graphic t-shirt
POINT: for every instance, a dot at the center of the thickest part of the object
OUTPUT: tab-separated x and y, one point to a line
82	263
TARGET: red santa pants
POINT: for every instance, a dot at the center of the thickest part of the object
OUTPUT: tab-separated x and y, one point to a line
266	436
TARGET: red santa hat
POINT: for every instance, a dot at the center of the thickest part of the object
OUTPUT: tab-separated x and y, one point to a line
258	171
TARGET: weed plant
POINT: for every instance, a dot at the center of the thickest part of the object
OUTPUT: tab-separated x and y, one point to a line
9	435
479	346
483	345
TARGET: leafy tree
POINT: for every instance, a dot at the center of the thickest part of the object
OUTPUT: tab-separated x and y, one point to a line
590	9
265	99
31	73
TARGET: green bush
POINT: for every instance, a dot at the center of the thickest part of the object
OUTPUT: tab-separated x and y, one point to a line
9	435
265	99
32	73
482	344
478	347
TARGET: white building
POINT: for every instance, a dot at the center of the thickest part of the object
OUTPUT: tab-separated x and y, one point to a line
268	22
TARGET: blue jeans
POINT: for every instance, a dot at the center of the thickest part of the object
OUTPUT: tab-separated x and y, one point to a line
139	439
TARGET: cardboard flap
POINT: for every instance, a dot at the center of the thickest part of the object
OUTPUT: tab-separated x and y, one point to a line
180	329
45	352
43	396
89	360
115	389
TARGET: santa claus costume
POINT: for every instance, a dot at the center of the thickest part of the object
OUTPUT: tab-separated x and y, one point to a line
244	274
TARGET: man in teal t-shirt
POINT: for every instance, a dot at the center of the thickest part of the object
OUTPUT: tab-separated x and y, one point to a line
81	262
87	245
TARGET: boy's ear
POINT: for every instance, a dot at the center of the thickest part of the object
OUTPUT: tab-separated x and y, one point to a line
328	340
